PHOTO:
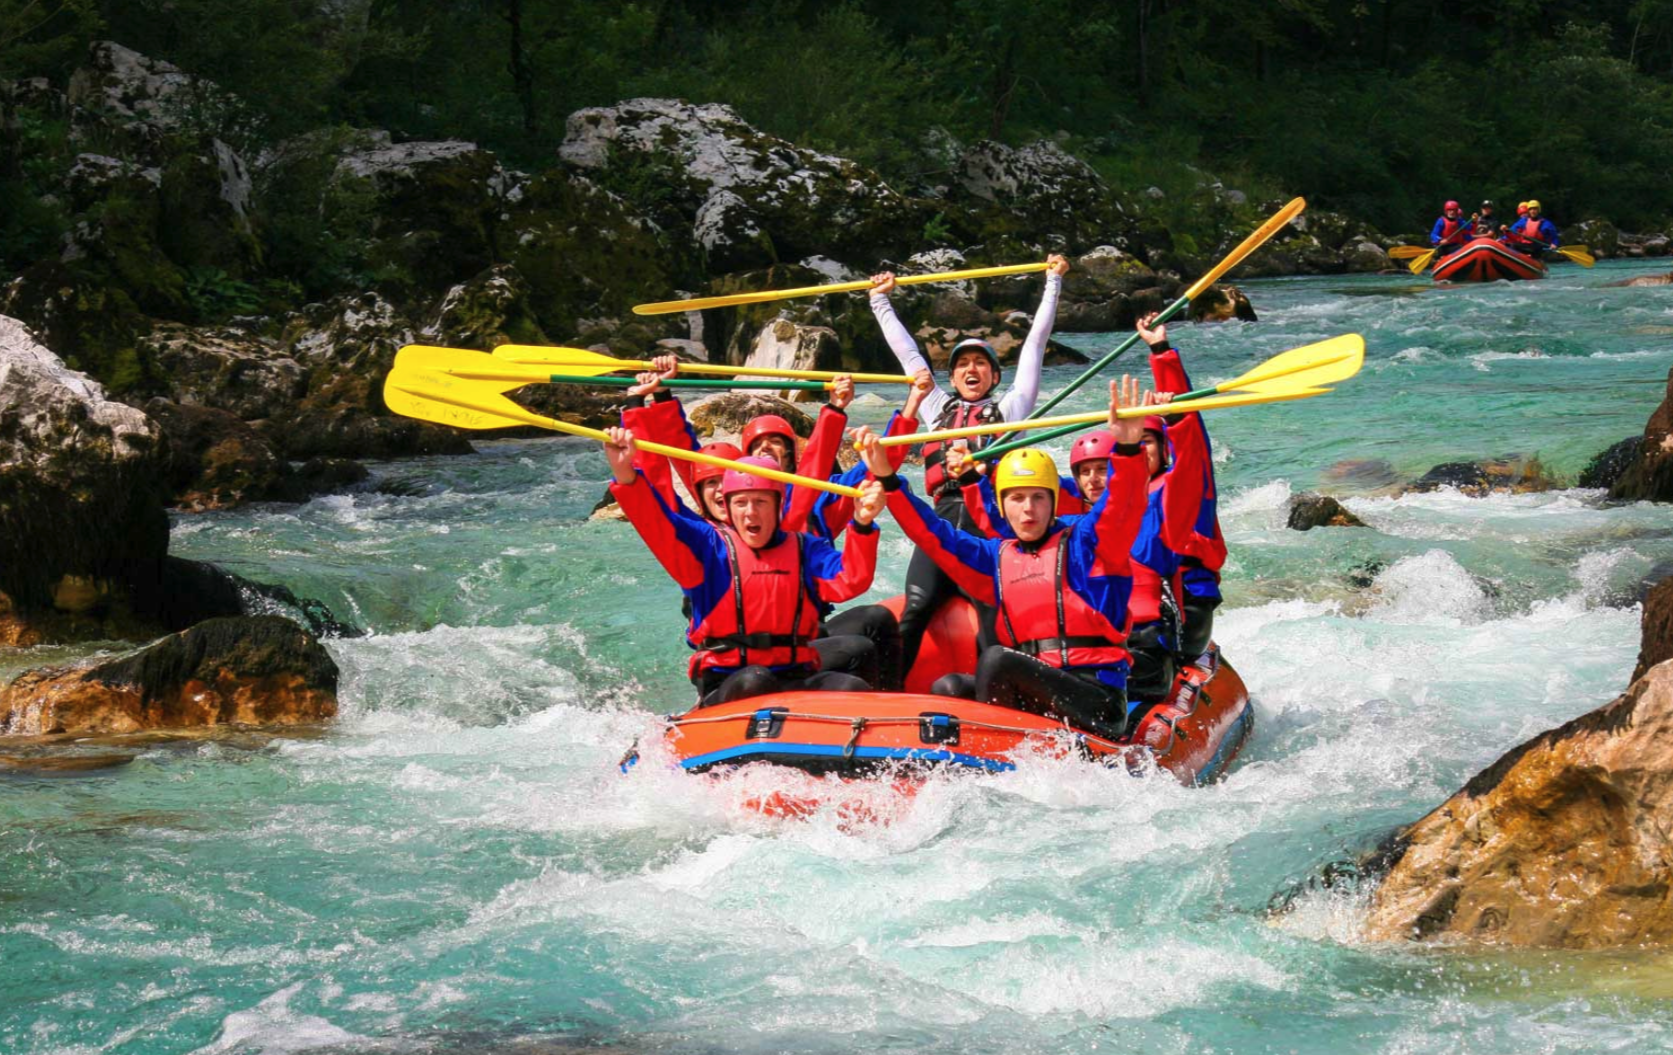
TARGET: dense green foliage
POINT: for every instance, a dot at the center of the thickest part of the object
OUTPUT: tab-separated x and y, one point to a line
1373	107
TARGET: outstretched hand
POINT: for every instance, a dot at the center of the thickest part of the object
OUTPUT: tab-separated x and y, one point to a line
618	451
1124	394
1057	264
883	282
1151	331
650	382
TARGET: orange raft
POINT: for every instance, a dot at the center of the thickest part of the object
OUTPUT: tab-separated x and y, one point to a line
1194	734
1486	260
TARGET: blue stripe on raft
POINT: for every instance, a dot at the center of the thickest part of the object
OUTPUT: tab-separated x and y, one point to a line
1233	740
911	754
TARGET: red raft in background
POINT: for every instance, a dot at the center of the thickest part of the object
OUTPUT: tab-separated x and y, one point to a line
1195	734
1486	260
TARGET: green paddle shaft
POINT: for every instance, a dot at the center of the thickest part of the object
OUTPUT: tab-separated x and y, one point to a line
683	382
1092	371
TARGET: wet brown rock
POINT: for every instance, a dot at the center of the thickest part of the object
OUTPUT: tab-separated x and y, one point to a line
1656	643
256	670
1645	280
727	413
1222	304
1367	474
1649	476
1309	510
1562	843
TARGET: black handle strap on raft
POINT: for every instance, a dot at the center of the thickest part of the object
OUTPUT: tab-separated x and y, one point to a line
937	728
766	724
855	728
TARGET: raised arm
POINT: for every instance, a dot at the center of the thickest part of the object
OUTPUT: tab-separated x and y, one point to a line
968	560
678	540
1116	516
842	575
818	459
1025	386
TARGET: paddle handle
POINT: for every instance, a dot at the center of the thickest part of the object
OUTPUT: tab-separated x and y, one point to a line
683	382
763	296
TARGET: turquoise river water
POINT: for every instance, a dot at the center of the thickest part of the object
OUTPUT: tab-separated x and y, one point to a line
456	865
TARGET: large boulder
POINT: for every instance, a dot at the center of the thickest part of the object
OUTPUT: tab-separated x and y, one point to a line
1649	477
1562	843
81	496
786	345
726	413
255	670
347	348
1600	236
1644	280
215	461
1037	196
233	369
749	199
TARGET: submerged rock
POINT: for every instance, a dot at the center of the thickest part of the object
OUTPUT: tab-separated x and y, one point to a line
257	670
1649	475
1309	510
1370	474
1512	474
1608	464
1645	280
1562	843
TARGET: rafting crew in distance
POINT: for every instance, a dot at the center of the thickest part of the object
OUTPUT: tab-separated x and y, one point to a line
974	373
1451	230
1060	587
1532	233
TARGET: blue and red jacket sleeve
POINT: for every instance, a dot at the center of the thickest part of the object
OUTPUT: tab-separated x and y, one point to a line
968	560
832	511
686	546
663	421
817	460
842	575
1190	498
1437	231
1548	233
983	506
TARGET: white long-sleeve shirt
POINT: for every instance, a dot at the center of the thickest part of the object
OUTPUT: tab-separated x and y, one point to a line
1024	392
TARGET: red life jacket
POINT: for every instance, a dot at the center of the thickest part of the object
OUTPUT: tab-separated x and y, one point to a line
1450	228
1034	596
1145	602
1527	229
769	618
957	414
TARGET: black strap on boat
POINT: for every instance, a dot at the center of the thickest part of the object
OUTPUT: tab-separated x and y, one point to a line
855	728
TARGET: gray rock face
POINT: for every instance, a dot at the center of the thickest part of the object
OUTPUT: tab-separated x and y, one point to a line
750	198
229	369
789	345
81	485
123	83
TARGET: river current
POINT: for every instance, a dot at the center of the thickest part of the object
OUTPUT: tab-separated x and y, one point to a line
456	865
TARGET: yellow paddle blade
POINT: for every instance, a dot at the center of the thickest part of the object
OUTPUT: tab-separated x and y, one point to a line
762	296
1579	254
1247	246
1323	363
1417	266
445	399
478	366
1406	252
581	361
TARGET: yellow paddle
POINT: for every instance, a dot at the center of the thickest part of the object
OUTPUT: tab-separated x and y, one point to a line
480	366
1310	366
579	361
1277	394
1406	252
1578	253
666	307
1235	257
432	395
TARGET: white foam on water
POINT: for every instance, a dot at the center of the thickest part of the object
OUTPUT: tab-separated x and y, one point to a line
1431	588
273	1028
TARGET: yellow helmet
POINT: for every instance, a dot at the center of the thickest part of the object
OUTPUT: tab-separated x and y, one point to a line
1026	468
1533	203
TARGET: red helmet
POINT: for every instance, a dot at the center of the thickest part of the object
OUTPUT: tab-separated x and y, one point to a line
1450	205
1100	443
704	473
735	482
767	425
1157	424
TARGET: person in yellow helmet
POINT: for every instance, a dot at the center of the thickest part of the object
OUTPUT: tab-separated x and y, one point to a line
1060	586
1532	233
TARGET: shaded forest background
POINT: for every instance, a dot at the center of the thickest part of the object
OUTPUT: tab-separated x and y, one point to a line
1376	108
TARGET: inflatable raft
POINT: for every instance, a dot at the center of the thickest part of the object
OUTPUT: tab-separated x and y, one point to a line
1194	734
1486	260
